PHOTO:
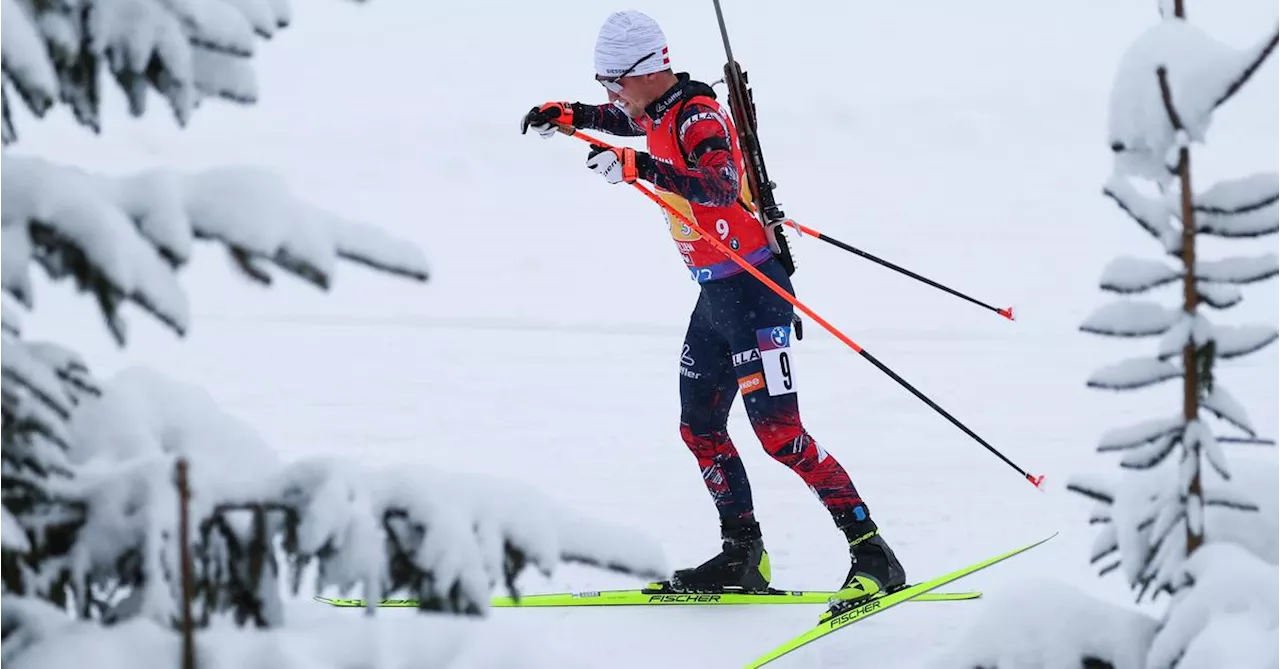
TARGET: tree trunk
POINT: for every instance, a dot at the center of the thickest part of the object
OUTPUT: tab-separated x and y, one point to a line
1190	300
1190	361
184	539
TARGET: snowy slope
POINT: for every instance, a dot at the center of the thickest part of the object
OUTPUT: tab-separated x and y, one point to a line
965	141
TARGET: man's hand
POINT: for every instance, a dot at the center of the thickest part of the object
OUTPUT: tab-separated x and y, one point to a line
546	117
619	164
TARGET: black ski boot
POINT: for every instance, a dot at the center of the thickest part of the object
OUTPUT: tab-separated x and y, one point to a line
875	570
741	566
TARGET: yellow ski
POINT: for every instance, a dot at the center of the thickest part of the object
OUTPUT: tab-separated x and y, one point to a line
860	611
649	597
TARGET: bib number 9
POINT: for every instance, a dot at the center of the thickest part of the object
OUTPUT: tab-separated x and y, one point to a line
722	228
775	355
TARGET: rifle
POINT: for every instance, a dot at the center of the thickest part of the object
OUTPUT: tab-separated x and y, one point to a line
743	108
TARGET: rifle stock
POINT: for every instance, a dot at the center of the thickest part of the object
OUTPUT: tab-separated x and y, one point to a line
743	109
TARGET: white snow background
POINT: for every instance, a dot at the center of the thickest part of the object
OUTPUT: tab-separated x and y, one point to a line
966	141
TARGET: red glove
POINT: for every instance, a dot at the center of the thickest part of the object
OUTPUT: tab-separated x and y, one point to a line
545	118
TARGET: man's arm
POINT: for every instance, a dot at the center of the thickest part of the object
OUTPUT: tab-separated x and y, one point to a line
605	118
703	136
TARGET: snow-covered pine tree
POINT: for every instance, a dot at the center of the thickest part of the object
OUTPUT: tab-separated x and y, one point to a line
1176	473
90	562
1169	86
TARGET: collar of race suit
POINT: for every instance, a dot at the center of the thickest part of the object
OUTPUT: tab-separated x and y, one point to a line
683	89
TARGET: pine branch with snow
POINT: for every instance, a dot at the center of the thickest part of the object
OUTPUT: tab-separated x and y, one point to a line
445	540
123	238
43	384
185	51
1224	615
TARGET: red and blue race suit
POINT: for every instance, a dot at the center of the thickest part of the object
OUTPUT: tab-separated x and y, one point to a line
696	169
739	337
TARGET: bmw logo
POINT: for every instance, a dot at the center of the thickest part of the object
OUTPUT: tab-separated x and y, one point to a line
779	336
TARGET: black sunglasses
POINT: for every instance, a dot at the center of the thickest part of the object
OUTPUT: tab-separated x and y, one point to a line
612	83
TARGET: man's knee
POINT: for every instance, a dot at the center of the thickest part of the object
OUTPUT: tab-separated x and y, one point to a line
785	441
707	445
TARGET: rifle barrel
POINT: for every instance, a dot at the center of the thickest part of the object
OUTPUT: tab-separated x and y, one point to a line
724	32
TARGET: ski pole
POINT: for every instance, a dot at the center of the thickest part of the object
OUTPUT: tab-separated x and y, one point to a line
804	229
719	246
1007	312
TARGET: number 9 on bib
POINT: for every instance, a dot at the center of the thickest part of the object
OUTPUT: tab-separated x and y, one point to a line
775	354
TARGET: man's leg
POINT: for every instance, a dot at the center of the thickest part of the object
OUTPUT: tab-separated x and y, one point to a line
707	391
769	392
764	364
706	395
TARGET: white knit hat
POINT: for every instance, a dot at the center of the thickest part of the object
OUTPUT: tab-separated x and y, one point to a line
625	38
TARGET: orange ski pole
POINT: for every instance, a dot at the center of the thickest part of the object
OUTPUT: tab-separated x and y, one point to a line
719	246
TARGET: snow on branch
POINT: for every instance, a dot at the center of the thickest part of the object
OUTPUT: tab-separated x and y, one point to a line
1225	616
1134	373
1240	196
1131	319
1199	438
10	323
1235	341
450	538
1200	73
32	75
39	636
1149	454
1176	338
1256	222
1141	433
1136	275
1244	207
1231	497
61	218
255	214
1098	488
182	49
445	540
1140	514
12	536
1224	405
1153	214
1239	270
42	384
122	238
1219	295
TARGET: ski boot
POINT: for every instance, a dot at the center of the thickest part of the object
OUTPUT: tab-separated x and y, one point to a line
741	566
875	570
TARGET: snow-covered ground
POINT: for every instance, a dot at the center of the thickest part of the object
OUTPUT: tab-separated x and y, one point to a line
964	140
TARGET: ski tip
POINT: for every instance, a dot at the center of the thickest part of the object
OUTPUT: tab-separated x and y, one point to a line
1007	313
1037	481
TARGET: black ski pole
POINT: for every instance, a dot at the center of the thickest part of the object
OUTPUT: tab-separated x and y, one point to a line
1007	312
